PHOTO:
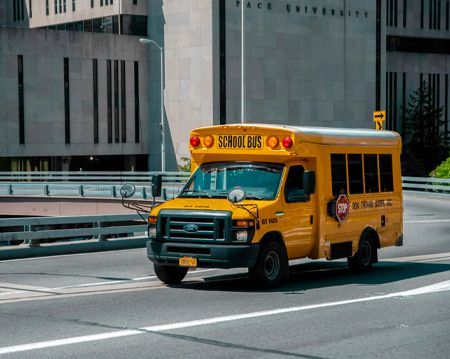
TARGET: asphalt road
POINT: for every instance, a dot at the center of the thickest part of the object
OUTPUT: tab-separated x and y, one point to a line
111	305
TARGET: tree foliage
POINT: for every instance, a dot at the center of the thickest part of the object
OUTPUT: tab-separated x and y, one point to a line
425	144
443	170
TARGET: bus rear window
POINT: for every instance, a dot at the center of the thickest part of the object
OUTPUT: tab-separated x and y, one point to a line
371	173
386	181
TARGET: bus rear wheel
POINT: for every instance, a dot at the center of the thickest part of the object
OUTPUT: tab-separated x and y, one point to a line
170	274
271	266
365	256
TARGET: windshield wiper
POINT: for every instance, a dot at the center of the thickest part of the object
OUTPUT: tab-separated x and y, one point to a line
253	196
195	193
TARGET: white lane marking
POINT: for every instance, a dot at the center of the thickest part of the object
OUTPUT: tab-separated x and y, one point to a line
43	289
422	257
124	281
70	255
428	221
438	287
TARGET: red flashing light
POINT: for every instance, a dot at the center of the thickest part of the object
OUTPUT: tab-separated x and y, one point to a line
194	141
287	142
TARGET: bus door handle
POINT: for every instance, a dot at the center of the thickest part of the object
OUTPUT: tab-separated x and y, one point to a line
311	219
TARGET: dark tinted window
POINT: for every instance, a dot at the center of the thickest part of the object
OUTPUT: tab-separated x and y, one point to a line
293	190
355	174
371	173
134	25
338	173
386	181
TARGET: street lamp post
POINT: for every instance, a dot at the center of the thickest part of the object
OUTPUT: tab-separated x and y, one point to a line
242	63
162	127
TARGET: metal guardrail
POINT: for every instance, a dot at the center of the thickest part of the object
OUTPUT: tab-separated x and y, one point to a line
88	184
107	184
98	184
426	184
33	230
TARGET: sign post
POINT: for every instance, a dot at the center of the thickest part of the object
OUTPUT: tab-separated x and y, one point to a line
378	118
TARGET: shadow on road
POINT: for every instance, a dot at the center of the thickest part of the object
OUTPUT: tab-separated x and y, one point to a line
324	274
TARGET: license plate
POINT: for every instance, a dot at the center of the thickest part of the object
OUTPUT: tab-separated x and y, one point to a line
187	262
249	142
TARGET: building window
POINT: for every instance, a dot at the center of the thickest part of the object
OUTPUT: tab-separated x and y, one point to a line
134	2
95	97
56	6
65	5
101	2
116	102
109	99
92	3
47	9
66	100
73	5
30	9
21	100
137	120
338	174
134	25
123	102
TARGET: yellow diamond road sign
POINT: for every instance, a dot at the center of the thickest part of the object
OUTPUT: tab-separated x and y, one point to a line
379	116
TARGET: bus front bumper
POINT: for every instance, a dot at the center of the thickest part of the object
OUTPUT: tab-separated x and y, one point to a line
208	256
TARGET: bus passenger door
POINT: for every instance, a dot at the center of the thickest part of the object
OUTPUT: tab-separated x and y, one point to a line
298	217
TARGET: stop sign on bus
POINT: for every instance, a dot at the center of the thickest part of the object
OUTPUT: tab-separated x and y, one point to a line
342	208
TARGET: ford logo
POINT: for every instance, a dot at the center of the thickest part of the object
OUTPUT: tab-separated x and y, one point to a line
191	228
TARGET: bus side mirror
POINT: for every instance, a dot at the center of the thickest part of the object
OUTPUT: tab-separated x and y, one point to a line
156	185
309	182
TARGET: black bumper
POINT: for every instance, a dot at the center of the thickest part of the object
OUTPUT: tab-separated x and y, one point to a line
208	255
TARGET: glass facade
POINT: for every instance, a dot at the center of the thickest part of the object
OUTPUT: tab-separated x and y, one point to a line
134	25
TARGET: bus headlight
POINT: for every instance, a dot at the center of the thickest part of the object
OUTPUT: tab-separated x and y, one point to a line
152	232
241	236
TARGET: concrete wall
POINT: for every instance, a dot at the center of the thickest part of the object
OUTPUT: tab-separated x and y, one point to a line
43	56
186	30
307	63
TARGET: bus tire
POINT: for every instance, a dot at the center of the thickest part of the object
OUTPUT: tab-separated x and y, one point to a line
365	256
271	267
170	274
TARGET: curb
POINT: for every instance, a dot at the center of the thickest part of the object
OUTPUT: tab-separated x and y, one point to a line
53	249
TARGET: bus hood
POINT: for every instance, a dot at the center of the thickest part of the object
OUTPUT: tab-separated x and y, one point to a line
213	204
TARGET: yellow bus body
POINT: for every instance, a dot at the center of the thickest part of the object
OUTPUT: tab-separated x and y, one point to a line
307	228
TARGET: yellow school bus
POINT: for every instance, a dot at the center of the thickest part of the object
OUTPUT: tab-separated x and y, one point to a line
261	195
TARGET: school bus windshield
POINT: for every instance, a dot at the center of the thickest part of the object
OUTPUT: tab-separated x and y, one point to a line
214	180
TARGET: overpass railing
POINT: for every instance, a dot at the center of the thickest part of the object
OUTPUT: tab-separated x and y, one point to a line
107	184
88	184
426	184
35	230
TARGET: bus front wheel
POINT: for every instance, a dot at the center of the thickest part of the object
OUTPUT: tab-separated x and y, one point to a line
170	274
271	266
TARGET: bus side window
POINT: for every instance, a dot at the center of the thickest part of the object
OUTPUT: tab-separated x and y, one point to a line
338	174
355	173
293	189
386	181
371	173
